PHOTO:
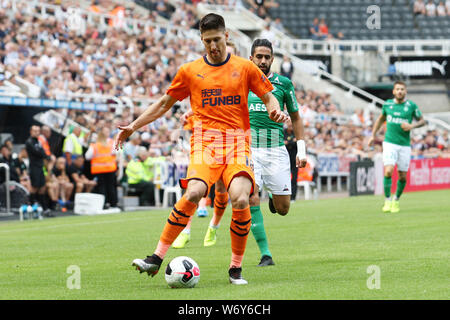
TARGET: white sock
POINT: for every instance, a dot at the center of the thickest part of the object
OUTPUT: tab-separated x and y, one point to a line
213	225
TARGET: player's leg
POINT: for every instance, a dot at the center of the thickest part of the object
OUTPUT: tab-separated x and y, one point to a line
276	174
239	190
404	159
184	237
202	211
387	183
281	203
390	158
401	183
258	229
220	204
177	221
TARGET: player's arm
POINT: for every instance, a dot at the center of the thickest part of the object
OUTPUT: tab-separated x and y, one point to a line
378	123
153	112
297	125
273	107
409	126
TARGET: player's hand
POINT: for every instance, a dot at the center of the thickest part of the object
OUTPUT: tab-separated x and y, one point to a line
370	142
301	163
125	132
184	116
406	126
278	116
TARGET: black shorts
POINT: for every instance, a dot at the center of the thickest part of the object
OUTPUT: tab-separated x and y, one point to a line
37	177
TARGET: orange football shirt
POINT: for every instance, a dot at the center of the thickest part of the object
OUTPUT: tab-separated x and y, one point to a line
218	92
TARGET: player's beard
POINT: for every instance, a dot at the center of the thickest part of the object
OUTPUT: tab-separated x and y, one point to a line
265	70
400	97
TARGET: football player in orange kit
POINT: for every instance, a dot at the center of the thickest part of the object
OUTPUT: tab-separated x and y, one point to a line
218	85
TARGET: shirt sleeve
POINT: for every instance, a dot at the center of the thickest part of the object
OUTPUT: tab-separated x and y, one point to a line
257	81
179	88
383	110
69	146
89	153
289	98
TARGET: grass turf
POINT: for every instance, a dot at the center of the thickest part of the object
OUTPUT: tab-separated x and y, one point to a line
322	250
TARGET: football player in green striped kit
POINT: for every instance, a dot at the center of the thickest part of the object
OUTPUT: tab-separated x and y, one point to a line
399	114
269	155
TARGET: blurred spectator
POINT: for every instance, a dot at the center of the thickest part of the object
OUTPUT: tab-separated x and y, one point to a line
260	7
65	187
340	36
287	67
440	9
14	168
139	178
314	30
430	8
267	33
447	6
104	166
44	138
72	146
277	24
443	141
361	118
130	148
291	146
323	29
419	7
75	171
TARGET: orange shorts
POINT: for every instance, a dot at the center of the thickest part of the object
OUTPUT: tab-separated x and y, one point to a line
210	171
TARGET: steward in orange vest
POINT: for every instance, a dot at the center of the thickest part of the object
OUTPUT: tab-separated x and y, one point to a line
103	160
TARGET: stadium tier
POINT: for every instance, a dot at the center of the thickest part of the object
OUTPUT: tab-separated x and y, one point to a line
398	20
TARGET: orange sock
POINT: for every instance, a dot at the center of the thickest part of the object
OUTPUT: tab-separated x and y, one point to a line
178	219
220	204
239	229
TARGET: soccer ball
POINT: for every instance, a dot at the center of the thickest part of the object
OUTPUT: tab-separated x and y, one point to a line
182	272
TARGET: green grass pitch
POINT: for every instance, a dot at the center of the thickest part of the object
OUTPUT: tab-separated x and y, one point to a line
322	250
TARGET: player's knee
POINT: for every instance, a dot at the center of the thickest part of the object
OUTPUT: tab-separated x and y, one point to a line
194	195
283	209
240	202
254	200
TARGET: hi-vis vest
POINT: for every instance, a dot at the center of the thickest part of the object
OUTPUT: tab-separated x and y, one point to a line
137	172
77	147
306	173
103	160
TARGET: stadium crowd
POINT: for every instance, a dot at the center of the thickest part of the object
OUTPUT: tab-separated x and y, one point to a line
113	62
432	8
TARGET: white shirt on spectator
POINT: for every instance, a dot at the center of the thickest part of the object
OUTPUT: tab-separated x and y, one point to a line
267	34
441	10
431	9
447	5
47	62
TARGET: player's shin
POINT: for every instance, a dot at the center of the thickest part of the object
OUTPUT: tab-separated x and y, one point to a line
387	182
258	231
239	229
220	205
400	187
177	221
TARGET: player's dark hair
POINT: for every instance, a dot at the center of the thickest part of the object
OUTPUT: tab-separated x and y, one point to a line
261	43
399	82
212	21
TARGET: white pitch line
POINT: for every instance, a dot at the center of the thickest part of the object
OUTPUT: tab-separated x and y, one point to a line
70	225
